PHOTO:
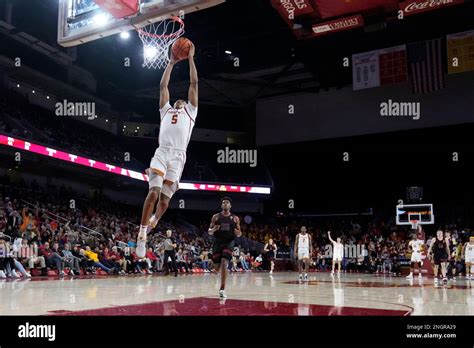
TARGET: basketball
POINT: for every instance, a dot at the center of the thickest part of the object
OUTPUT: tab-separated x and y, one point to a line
180	49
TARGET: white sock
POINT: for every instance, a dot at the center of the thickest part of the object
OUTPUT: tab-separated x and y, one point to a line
142	231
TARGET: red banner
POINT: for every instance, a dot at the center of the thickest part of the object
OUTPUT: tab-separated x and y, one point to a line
341	24
336	8
290	9
418	6
119	8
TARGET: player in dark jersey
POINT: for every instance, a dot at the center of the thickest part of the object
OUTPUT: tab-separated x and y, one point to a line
270	248
440	248
225	226
451	270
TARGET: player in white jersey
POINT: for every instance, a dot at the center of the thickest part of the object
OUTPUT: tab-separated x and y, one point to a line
416	246
303	252
337	253
469	258
166	167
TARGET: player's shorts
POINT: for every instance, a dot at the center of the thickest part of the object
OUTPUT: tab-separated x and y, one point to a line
166	165
469	259
337	258
222	250
438	259
271	256
416	257
303	253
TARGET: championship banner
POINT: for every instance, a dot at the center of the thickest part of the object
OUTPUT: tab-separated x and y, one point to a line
365	70
335	26
418	6
460	52
393	65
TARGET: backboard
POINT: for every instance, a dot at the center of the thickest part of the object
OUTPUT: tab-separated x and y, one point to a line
415	214
82	21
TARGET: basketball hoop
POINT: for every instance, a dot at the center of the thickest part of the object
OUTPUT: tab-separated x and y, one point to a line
414	224
157	39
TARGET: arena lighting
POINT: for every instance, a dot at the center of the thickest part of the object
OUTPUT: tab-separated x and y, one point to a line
150	52
100	19
86	162
228	52
124	35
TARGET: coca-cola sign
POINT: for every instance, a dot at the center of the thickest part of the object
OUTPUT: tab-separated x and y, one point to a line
337	25
418	6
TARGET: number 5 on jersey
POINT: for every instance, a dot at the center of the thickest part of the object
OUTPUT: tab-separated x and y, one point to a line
174	119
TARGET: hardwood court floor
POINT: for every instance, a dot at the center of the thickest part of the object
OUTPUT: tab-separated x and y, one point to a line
248	294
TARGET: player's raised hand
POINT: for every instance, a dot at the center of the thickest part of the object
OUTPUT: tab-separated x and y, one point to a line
173	59
192	51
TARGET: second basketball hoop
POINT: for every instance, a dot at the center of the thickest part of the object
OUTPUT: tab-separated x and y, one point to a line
157	38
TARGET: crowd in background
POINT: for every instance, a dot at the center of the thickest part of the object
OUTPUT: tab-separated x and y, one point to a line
95	236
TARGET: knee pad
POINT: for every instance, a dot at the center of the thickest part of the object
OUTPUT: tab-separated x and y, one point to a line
155	180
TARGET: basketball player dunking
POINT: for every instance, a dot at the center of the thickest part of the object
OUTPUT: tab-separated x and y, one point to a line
303	252
177	123
225	226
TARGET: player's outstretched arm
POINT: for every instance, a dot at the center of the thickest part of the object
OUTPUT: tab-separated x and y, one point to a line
193	78
165	80
329	236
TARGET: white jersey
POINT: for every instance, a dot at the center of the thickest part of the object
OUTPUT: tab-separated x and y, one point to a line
303	241
416	245
338	251
176	126
469	255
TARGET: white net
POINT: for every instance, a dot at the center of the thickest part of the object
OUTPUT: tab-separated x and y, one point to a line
157	38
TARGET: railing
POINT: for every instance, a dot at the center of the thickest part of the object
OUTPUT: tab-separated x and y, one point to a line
65	222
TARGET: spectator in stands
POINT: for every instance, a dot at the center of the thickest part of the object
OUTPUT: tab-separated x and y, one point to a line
106	259
181	262
118	258
7	263
84	262
257	263
243	261
32	258
94	257
52	258
70	260
152	260
141	265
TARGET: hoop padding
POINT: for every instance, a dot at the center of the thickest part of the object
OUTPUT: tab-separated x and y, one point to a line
157	38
